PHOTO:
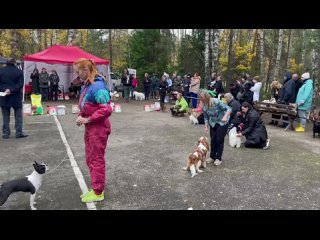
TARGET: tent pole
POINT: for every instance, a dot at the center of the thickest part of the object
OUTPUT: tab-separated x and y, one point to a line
24	80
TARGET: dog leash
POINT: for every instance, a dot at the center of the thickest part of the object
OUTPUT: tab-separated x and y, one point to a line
65	157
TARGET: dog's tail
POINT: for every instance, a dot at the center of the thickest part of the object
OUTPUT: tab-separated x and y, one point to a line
4	194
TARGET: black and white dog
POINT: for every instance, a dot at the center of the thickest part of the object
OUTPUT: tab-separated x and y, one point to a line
30	183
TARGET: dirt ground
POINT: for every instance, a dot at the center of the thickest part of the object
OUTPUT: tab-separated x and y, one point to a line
145	155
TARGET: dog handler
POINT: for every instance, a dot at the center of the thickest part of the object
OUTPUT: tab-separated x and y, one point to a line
216	115
95	110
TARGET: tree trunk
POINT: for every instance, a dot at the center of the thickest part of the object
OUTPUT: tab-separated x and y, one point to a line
71	36
303	54
39	32
277	65
289	49
314	73
230	59
215	49
45	38
206	54
262	55
110	48
14	43
255	38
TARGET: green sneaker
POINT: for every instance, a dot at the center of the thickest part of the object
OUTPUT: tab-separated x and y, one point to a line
92	197
85	194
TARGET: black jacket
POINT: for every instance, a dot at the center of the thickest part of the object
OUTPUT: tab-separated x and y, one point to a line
255	130
287	92
235	107
11	78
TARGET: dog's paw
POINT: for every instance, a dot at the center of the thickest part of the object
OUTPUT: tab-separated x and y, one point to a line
200	171
33	208
34	203
185	168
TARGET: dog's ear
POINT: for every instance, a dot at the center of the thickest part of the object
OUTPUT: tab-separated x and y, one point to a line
36	163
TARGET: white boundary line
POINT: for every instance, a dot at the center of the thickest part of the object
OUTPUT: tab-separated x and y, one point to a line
74	165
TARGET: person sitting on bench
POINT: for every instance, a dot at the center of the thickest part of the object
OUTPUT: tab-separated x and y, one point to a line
181	105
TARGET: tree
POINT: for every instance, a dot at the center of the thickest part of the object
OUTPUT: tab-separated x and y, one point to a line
206	53
230	59
277	65
215	39
261	54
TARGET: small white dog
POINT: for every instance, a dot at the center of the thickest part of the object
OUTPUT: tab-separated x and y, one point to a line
138	95
193	119
234	140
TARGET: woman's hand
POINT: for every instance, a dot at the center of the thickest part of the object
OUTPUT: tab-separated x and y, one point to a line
206	129
81	120
224	119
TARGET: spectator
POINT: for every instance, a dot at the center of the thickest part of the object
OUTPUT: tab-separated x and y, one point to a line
146	86
256	88
126	80
54	84
235	108
181	105
304	101
35	81
218	88
275	93
134	85
163	87
255	131
186	82
154	85
194	88
75	87
44	84
11	82
297	83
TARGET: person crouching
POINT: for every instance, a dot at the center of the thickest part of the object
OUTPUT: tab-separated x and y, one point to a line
181	105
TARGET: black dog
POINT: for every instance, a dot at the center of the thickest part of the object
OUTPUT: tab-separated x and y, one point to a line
316	125
30	183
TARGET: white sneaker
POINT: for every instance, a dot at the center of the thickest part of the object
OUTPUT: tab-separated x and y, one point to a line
210	160
217	162
267	144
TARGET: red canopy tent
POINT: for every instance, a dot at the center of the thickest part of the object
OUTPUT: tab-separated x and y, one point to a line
61	58
63	54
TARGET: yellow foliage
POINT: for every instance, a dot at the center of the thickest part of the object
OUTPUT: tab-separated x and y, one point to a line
119	65
294	67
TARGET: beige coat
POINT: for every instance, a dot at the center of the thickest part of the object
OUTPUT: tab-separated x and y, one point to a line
195	85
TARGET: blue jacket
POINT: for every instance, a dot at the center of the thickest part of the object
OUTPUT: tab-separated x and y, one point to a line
215	113
304	97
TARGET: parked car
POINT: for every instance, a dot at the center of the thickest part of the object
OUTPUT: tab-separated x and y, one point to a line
116	82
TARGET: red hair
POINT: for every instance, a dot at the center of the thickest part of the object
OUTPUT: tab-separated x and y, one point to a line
87	63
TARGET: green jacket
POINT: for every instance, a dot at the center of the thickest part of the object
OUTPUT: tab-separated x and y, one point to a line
182	104
304	97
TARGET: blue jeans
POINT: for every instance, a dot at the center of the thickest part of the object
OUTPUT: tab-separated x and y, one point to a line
6	121
132	89
303	117
194	101
126	91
